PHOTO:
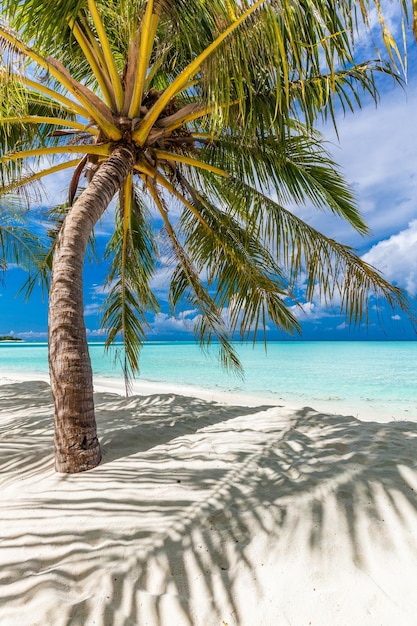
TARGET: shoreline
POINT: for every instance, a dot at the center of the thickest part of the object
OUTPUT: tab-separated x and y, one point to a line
360	409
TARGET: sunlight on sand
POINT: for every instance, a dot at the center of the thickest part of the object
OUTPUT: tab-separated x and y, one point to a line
204	514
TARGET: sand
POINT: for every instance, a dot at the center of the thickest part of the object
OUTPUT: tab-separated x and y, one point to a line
207	513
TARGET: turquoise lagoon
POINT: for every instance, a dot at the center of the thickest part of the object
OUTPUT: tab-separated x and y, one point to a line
354	375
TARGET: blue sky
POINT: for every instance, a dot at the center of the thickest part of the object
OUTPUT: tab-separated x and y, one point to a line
377	149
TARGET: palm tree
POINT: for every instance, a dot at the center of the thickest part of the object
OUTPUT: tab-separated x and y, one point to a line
210	105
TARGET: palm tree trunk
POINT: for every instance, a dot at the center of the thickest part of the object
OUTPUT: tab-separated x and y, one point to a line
76	445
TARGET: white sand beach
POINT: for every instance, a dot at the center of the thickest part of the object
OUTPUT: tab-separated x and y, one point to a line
207	513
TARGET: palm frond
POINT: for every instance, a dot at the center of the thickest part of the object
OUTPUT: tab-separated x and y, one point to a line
186	285
129	300
28	117
331	268
107	54
181	81
342	90
295	169
242	274
20	246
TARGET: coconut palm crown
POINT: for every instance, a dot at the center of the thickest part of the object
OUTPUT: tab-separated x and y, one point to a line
210	105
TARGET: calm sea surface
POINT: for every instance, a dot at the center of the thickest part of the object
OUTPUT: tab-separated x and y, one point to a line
352	375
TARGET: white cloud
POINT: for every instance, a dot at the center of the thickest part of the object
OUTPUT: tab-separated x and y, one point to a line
309	311
169	324
100	332
98	293
92	309
342	326
396	258
100	290
31	335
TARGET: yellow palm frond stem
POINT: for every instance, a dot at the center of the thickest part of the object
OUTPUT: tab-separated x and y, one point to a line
107	54
185	114
189	113
144	168
151	188
99	56
97	109
147	34
93	41
37	119
127	208
72	106
153	174
90	55
186	75
102	150
182	158
25	180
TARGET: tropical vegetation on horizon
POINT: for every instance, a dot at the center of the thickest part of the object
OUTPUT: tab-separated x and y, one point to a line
9	338
210	105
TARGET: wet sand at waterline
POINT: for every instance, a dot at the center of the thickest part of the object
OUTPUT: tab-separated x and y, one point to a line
206	512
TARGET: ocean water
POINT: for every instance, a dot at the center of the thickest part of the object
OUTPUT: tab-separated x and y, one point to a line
346	376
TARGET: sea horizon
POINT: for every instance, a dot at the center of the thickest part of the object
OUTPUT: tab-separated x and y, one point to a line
357	377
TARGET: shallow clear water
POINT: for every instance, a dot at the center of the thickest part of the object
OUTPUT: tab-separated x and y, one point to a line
354	375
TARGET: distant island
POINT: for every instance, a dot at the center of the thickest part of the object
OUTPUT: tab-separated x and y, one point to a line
9	338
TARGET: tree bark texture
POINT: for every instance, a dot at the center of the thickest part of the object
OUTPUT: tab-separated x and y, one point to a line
76	444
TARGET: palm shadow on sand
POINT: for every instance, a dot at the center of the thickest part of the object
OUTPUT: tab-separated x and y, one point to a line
185	488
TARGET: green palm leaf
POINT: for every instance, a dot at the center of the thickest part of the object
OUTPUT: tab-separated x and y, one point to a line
242	275
129	298
20	246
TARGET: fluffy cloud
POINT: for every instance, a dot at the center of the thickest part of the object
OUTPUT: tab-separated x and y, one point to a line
100	332
342	326
92	309
396	258
311	311
164	324
30	335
